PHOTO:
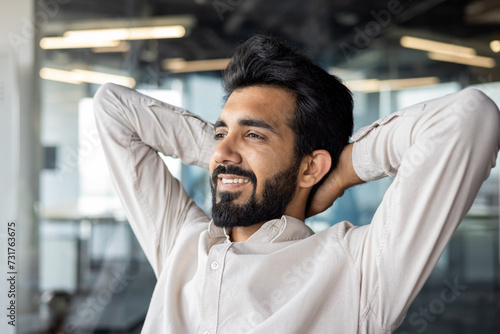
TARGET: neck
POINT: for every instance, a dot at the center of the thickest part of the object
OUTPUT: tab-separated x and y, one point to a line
296	208
242	233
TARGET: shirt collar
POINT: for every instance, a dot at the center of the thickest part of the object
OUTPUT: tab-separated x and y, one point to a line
286	228
217	232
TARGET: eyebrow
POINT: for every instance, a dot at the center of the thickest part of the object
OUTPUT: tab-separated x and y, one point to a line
248	122
219	124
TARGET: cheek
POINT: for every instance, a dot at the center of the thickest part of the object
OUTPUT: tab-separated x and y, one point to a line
270	163
267	168
263	173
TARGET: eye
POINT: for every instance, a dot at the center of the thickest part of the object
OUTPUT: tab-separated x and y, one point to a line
254	135
219	136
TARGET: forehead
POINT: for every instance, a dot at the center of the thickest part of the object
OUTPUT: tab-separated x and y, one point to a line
273	105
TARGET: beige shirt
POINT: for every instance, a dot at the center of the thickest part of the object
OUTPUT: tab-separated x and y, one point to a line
285	278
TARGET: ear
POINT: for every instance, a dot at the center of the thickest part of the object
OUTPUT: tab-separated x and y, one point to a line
313	167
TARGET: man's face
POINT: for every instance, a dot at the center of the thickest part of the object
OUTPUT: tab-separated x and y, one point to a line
253	167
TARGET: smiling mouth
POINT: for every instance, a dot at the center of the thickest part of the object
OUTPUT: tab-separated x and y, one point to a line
234	180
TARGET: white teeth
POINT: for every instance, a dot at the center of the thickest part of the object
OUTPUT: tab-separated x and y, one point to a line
234	180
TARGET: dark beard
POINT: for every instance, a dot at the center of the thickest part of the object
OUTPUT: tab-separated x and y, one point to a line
278	192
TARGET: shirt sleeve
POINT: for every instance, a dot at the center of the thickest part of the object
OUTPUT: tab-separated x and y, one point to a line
439	152
133	128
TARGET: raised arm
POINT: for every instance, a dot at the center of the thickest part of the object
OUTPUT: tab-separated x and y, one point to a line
440	152
133	128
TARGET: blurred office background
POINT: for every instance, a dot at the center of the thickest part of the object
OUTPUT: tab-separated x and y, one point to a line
80	269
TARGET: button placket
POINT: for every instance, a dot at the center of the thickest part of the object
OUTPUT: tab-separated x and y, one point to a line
212	288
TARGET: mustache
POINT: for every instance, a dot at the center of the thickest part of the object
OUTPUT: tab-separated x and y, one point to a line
235	170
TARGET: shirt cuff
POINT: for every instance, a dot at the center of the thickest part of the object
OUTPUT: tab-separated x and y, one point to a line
357	162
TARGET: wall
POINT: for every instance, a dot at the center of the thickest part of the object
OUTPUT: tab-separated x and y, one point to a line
19	154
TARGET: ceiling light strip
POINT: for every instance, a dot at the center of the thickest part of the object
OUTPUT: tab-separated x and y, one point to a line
495	46
477	61
50	43
375	85
122	47
95	38
78	76
58	75
434	46
160	32
180	65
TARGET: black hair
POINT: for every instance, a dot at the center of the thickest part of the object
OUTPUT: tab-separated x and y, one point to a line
323	117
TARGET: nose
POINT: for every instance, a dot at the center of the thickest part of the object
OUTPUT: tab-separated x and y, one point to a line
227	151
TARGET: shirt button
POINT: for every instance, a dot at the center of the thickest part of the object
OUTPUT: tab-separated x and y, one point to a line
206	332
214	266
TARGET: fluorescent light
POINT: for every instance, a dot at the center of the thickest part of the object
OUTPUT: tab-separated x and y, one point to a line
95	38
174	64
122	47
364	85
157	32
58	75
63	43
495	46
474	61
102	78
160	32
438	47
77	76
450	52
179	65
396	84
375	85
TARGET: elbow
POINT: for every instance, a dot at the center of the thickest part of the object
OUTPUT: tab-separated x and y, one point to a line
106	92
478	119
107	98
480	132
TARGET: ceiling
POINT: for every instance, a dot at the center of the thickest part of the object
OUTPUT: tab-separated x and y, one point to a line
356	35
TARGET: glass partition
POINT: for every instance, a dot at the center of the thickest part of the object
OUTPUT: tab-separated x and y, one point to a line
93	276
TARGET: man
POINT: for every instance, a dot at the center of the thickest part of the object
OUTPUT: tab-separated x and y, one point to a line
284	130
